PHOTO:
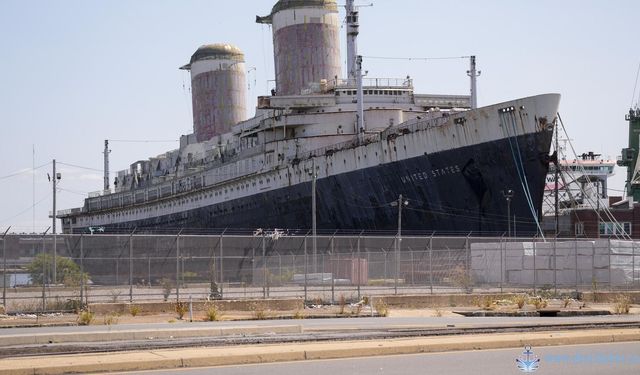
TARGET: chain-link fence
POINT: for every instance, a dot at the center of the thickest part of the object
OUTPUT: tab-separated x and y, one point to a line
136	268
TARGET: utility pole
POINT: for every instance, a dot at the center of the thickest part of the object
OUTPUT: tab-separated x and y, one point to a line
473	74
54	179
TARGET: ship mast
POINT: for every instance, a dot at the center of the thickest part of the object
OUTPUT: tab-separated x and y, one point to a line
474	74
353	29
354	62
106	164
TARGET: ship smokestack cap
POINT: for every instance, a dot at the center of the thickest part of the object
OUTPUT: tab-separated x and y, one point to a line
290	4
218	51
331	5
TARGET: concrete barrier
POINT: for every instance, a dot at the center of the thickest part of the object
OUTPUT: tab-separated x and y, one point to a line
253	354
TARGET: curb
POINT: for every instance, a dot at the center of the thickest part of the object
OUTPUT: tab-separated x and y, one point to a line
205	357
144	334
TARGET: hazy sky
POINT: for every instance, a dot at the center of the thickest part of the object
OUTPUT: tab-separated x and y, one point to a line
74	73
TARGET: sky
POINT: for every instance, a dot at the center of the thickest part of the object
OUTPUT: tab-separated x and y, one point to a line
76	72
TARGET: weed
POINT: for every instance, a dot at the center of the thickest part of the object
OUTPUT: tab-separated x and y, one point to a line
488	303
299	315
111	318
566	301
622	304
438	313
181	308
212	314
381	307
85	317
167	287
171	321
462	279
343	303
114	295
258	311
358	309
538	302
134	310
520	300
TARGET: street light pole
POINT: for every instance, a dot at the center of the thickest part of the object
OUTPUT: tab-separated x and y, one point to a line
508	195
400	203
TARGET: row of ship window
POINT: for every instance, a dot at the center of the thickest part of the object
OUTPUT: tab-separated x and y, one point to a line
193	199
370	92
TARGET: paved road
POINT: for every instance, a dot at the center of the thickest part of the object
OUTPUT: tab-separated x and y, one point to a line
332	324
597	359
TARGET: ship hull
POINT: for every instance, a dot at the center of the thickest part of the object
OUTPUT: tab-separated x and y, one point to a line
458	191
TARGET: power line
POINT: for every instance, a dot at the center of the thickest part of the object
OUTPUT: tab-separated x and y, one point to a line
25	210
416	58
81	167
28	170
142	140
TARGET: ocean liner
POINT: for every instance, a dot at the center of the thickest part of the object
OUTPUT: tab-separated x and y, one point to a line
337	150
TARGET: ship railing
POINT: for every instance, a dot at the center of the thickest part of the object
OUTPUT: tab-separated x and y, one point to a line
376	82
420	124
331	149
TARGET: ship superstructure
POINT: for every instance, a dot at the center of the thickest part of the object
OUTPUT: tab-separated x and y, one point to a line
360	141
582	183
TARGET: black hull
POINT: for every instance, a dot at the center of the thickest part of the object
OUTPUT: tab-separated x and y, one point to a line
451	192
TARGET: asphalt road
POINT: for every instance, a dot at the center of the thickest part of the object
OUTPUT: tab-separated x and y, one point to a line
596	359
335	324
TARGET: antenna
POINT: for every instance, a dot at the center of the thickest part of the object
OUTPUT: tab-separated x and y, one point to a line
106	153
353	29
474	74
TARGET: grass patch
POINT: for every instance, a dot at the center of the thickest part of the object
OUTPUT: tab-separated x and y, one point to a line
85	318
212	314
622	304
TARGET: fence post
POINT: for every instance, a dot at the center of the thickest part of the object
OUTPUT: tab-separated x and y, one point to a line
333	276
178	267
149	270
610	279
44	272
575	246
264	266
412	266
306	263
431	263
82	268
131	268
633	262
502	268
535	272
359	265
4	270
221	286
593	262
555	264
